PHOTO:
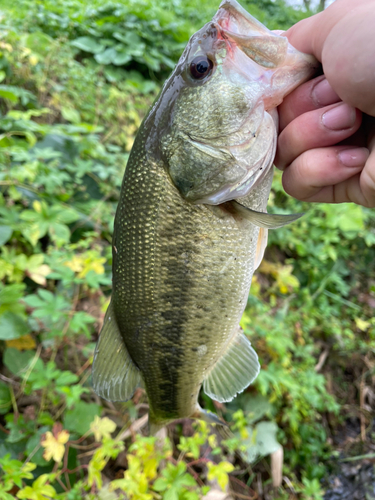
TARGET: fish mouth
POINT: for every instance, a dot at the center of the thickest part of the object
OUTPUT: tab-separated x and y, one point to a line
236	25
279	66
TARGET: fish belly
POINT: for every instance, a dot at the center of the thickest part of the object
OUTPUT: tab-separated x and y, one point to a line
181	278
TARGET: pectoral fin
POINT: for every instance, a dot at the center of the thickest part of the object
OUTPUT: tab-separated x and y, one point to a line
263	219
114	375
234	371
261	247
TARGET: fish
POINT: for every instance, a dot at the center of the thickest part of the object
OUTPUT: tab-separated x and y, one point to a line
191	224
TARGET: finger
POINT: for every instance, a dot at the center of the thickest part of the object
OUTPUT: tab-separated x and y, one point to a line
309	35
330	175
311	95
319	128
367	178
339	38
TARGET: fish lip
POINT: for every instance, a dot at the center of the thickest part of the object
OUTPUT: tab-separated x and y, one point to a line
241	20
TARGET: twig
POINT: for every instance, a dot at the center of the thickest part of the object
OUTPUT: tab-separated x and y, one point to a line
134	427
343	301
83	367
32	453
322	359
8	380
31	368
61	484
244	486
362	404
14	403
359	457
3	429
246	497
84	447
79	467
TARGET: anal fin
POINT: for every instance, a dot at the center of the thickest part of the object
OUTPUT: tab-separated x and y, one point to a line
114	375
237	368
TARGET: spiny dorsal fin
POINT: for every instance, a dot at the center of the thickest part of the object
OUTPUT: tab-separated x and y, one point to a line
263	219
114	375
237	368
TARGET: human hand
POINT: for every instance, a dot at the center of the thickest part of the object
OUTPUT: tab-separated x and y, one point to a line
326	145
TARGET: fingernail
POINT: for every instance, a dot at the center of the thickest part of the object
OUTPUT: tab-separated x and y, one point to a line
355	157
323	94
340	117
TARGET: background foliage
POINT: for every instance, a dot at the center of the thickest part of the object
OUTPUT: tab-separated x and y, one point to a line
76	79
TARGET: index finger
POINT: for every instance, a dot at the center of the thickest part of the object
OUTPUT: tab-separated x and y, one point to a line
309	96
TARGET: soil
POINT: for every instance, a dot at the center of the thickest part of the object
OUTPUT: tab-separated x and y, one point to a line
352	480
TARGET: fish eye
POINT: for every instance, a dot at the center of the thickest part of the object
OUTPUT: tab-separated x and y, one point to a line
200	67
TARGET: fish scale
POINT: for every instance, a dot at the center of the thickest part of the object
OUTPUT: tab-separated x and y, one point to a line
191	224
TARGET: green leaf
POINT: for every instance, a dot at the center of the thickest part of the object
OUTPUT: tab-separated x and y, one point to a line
80	417
106	57
5	234
12	326
34	444
5	398
121	58
88	44
39	42
17	361
8	94
66	378
70	115
160	484
171	494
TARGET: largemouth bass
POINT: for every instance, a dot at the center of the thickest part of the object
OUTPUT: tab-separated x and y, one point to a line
191	224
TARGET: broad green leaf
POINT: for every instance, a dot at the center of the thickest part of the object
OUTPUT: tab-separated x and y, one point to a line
70	115
34	443
5	234
121	58
5	398
12	326
9	95
17	361
106	57
39	42
79	418
88	44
